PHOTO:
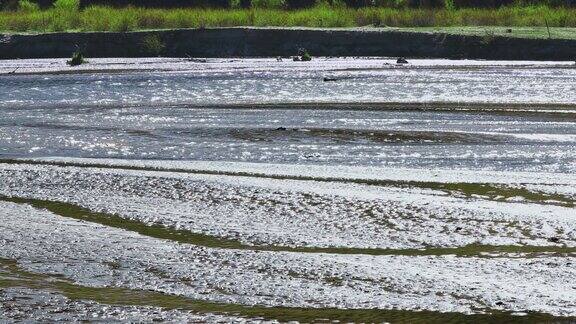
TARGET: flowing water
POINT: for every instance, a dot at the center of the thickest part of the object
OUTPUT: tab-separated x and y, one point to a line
256	190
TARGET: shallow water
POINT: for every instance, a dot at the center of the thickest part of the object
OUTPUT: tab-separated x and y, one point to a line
207	188
420	139
264	80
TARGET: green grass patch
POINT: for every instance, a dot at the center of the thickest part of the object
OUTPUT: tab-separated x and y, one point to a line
183	236
498	192
13	276
65	16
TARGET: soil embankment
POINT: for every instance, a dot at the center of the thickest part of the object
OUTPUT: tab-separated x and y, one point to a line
262	42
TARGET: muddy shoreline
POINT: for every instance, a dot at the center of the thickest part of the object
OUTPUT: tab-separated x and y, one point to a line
266	42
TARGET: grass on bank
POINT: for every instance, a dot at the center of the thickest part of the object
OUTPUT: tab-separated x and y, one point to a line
492	31
66	16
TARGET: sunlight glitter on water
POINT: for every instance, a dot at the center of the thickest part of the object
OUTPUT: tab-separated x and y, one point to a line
267	81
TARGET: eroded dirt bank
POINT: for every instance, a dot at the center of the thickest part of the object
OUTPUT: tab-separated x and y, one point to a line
260	42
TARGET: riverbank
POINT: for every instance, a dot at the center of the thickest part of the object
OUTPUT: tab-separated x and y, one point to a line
270	42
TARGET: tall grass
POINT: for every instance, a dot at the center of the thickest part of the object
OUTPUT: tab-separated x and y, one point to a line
66	16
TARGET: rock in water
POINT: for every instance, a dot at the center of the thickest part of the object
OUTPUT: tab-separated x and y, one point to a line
401	60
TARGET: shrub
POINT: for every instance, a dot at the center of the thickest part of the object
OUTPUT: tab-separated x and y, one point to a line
487	38
303	55
358	3
153	45
8	4
298	4
483	3
77	59
159	3
67	5
425	3
269	4
28	6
